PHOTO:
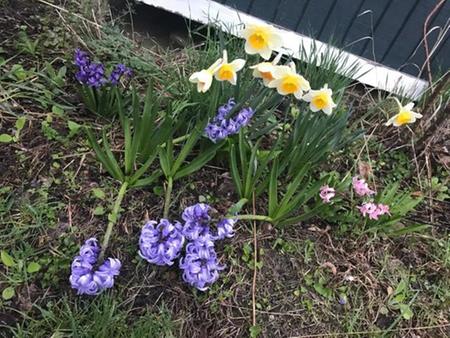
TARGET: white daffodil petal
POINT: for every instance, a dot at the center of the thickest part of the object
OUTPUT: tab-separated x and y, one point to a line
281	71
313	107
275	41
265	67
298	94
308	96
250	50
274	83
327	110
238	64
409	106
194	77
391	120
265	53
233	79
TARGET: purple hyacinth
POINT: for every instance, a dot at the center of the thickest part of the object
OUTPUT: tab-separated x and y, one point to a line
197	213
81	58
225	228
85	278
200	265
161	244
222	125
196	226
119	71
93	74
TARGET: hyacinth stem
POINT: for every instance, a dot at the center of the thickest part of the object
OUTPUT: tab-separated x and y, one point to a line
167	198
113	216
253	218
177	140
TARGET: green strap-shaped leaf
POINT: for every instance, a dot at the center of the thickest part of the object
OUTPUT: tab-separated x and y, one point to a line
234	170
198	162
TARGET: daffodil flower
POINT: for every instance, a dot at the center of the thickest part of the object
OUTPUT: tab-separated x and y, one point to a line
261	39
287	81
404	116
320	100
204	78
228	71
265	70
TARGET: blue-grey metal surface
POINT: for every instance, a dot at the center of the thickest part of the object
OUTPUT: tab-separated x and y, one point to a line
386	31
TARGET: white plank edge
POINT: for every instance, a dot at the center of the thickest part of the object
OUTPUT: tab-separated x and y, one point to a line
232	20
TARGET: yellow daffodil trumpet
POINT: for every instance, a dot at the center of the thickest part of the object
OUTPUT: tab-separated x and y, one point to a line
204	78
265	70
261	39
228	71
287	81
320	100
405	115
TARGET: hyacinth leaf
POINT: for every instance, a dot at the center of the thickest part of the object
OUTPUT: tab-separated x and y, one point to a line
290	191
164	160
185	151
102	156
146	180
199	161
142	170
234	170
273	189
243	153
303	217
250	176
111	157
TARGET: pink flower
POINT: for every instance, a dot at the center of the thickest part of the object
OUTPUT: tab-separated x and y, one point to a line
361	187
367	208
327	193
373	210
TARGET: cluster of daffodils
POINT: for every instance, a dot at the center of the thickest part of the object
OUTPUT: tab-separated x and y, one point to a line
224	125
361	189
162	243
263	40
93	74
87	279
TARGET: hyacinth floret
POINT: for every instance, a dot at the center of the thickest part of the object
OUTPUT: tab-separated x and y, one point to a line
225	228
161	243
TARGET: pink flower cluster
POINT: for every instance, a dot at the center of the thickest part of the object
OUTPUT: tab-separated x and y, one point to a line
327	193
361	187
370	209
373	210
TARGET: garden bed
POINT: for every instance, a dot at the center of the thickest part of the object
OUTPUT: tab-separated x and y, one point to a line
333	274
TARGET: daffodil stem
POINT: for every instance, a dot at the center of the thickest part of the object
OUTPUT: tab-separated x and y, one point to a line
167	198
112	217
253	218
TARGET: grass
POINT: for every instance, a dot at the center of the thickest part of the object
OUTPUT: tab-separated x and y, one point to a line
320	277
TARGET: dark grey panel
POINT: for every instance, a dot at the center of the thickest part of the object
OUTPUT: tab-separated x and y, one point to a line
389	26
242	5
315	17
418	55
265	9
340	18
408	39
289	13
